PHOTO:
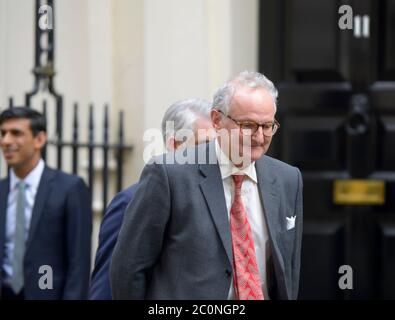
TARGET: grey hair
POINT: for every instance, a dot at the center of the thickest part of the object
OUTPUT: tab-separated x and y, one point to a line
184	114
223	97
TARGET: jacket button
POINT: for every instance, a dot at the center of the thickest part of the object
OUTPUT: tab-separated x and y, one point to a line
228	272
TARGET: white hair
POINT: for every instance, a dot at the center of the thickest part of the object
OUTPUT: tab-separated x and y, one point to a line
223	96
184	114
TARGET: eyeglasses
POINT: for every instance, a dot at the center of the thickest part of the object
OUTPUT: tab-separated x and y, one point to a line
249	128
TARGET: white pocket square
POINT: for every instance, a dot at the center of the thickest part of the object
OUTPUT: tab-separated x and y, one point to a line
291	222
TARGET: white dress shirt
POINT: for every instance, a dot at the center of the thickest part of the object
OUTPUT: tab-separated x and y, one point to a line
32	181
253	206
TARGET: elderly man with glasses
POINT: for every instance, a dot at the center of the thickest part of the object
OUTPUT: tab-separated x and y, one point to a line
224	229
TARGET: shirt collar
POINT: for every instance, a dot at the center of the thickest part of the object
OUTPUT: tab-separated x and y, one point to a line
228	169
32	179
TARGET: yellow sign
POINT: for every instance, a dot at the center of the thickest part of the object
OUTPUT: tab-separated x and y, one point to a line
359	192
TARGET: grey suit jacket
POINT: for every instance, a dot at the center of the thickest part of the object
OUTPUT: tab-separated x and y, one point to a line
175	241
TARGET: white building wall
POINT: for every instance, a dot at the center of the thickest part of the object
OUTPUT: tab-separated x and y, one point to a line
135	55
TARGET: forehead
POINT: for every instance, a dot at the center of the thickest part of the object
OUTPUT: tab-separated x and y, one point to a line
19	124
255	102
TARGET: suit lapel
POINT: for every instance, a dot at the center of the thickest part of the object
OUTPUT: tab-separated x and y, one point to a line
43	191
270	202
4	189
213	192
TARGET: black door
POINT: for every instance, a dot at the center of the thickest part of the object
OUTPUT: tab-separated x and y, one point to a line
337	115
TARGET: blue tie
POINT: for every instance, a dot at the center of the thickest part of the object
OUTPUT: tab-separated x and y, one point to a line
19	241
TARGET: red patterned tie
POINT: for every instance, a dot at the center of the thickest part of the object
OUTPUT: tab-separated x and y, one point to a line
247	280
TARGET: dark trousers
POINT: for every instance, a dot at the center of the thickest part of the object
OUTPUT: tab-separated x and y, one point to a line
8	294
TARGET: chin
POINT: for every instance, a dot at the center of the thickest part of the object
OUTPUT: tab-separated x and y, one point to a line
14	163
10	162
257	153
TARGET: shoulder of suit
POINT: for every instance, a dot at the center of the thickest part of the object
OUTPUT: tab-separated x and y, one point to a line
278	163
180	156
62	176
126	195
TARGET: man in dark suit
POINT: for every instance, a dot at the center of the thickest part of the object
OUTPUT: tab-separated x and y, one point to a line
190	114
226	225
45	217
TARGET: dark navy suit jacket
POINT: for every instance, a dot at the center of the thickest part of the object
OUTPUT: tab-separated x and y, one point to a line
111	225
59	236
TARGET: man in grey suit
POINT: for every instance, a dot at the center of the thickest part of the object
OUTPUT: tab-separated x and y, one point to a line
226	225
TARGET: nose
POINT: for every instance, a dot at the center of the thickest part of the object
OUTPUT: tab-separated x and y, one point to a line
258	135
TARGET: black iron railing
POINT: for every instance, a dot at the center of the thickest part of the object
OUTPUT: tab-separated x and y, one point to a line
92	144
44	73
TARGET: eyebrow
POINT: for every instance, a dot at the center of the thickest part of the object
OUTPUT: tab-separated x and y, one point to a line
13	131
245	120
249	120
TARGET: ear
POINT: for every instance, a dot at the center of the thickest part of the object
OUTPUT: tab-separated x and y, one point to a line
40	140
216	118
172	144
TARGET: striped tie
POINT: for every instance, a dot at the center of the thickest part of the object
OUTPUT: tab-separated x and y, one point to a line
246	273
19	241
